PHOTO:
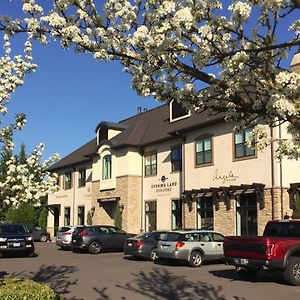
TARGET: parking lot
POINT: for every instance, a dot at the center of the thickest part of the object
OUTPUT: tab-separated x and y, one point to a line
110	276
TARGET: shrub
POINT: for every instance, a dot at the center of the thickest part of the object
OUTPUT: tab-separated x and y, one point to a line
24	289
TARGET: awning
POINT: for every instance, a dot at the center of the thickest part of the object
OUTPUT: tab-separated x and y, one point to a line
225	193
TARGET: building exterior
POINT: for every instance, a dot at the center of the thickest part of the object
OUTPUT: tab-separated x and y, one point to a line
166	169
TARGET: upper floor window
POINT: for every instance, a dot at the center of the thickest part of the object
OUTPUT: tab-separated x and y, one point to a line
204	151
106	167
176	158
177	111
68	180
81	177
241	149
150	165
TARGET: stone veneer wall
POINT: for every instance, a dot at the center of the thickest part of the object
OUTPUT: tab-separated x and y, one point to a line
189	215
225	220
128	188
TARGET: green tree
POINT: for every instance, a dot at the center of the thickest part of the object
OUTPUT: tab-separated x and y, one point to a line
25	213
42	218
4	157
296	210
22	156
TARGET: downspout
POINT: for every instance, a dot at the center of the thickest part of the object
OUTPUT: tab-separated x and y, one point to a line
272	175
74	195
142	191
183	182
280	179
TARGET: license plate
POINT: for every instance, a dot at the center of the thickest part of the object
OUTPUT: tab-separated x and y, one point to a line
165	247
129	244
241	261
74	241
16	244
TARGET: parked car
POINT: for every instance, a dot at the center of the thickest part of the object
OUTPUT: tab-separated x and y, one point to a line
98	238
39	234
144	245
193	246
15	238
64	237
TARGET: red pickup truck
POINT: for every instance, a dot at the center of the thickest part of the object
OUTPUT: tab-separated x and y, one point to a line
277	249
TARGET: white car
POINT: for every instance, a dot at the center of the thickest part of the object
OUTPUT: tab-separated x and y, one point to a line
64	236
194	246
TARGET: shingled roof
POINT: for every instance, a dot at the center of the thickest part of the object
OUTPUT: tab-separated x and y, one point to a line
150	127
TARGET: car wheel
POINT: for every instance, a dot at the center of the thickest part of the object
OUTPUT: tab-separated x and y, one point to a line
292	271
94	247
246	273
196	259
43	238
153	255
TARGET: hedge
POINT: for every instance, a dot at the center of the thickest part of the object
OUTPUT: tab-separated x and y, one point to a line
25	289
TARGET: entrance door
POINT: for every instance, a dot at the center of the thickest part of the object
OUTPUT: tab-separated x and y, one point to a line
246	214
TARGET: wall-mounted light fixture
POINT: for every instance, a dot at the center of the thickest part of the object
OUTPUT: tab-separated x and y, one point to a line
93	210
121	208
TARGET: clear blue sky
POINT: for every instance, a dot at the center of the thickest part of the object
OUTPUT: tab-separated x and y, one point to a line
69	95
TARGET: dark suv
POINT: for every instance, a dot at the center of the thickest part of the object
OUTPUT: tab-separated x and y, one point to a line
98	238
15	238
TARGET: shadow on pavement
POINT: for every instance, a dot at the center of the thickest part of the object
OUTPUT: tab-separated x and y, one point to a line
162	284
262	276
57	277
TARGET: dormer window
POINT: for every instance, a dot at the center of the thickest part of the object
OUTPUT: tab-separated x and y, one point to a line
177	111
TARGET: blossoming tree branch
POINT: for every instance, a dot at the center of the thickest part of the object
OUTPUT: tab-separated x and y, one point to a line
210	55
28	181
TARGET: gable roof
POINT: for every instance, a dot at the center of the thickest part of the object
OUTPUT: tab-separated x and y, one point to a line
150	127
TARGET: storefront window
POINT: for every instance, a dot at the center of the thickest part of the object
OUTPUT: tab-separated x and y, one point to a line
150	215
205	213
67	216
176	214
246	214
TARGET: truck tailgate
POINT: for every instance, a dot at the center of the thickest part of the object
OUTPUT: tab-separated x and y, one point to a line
245	247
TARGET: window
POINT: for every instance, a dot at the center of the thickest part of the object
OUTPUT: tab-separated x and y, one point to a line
68	180
240	147
67	216
176	214
80	215
81	177
204	151
177	111
176	158
106	167
205	213
246	214
150	165
58	180
150	215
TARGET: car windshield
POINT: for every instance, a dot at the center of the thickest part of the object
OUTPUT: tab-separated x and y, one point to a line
12	229
173	237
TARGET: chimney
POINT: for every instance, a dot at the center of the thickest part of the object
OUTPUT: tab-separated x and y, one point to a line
295	64
139	110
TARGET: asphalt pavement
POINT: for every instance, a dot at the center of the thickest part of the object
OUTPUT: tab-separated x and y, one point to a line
111	276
